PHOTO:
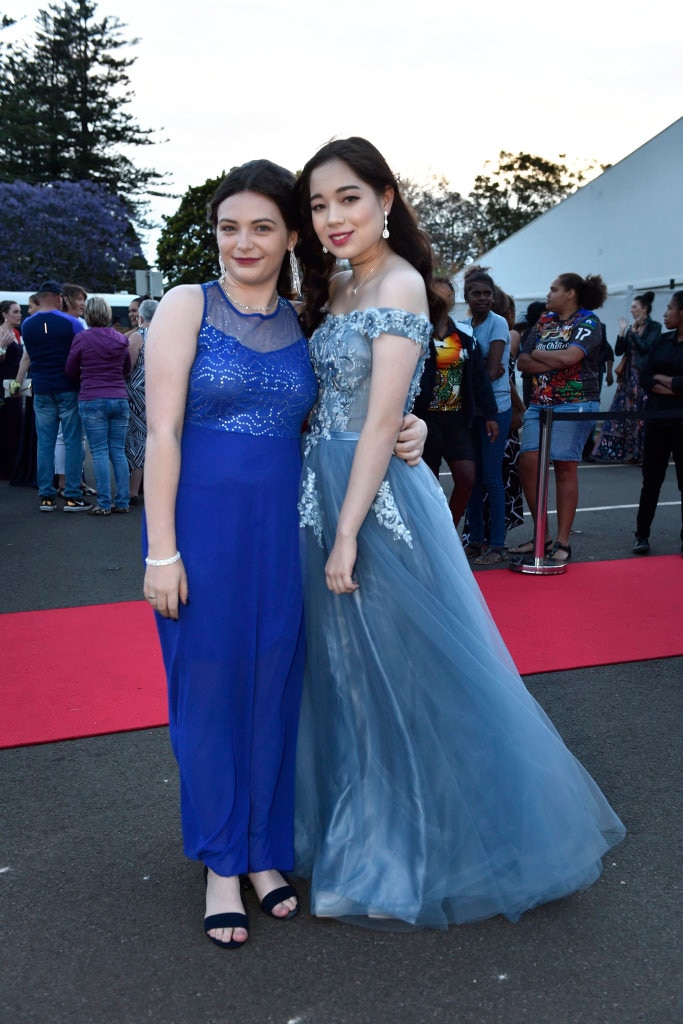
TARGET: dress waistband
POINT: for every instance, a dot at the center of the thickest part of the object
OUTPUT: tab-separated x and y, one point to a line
343	435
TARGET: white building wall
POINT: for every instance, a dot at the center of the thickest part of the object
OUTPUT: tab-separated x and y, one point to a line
623	225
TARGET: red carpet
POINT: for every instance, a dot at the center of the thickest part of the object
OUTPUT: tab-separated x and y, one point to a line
76	672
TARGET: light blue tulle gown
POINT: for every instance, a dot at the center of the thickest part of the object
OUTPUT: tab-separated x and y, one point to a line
431	787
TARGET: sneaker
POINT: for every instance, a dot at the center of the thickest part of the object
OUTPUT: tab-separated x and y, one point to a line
97	510
120	509
76	505
641	546
47	505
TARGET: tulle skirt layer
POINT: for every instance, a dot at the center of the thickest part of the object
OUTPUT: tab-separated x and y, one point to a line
431	786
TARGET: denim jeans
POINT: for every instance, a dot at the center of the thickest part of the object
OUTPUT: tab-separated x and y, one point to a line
489	466
49	411
106	423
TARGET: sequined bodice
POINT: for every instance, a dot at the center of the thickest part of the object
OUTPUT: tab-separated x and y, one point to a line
252	373
341	352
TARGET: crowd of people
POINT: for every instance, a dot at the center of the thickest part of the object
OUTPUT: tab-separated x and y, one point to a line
72	378
331	664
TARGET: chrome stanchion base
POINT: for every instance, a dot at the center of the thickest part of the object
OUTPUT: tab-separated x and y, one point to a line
538	566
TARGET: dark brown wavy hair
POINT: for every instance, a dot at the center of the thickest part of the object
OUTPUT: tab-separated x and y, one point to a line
405	237
275	183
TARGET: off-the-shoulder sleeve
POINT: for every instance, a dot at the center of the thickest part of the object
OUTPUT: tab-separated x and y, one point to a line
414	326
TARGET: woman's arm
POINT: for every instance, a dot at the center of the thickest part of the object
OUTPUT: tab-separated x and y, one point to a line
134	347
494	359
393	364
558	359
527	363
169	354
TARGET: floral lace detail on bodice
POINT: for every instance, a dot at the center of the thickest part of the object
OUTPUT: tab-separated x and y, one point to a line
341	352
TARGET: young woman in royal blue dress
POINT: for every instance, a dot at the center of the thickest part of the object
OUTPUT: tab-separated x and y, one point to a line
431	787
228	386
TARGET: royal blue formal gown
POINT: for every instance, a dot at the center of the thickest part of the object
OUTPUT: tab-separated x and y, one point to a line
234	659
431	787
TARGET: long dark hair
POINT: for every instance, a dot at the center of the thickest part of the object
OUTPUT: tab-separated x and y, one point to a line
405	237
275	183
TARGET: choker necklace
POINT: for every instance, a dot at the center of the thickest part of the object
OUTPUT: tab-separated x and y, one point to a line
251	309
357	288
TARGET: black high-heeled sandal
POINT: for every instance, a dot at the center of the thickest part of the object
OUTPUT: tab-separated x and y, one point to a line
285	892
227	920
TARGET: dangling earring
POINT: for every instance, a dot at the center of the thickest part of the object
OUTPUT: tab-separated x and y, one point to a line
221	267
385	233
324	250
294	273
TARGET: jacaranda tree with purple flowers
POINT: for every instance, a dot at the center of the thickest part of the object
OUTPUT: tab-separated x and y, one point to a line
68	231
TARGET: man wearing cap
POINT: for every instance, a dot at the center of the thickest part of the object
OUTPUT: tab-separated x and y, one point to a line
47	337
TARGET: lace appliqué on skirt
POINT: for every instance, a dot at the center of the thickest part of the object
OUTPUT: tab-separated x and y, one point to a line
309	507
385	508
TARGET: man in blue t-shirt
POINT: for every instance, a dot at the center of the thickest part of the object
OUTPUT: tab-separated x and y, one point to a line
47	337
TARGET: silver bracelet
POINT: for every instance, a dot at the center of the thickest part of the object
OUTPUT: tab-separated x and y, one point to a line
163	561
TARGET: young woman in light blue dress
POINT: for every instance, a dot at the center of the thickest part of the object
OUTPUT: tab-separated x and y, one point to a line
431	787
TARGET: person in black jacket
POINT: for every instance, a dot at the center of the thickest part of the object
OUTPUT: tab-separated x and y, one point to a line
661	376
454	386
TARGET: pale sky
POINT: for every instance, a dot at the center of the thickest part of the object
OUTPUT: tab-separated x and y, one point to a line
440	89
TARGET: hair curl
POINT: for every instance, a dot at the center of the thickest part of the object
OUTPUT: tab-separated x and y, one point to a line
275	183
591	290
405	237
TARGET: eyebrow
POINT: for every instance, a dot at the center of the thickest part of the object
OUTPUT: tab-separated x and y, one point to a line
338	191
257	220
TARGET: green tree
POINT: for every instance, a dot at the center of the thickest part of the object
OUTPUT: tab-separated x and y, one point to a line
64	99
186	251
520	189
450	220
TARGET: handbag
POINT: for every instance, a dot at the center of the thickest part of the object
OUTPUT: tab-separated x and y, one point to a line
26	390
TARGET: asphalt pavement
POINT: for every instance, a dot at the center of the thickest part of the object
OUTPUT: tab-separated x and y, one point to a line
100	913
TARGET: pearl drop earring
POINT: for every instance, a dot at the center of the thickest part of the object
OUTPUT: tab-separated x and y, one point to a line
385	233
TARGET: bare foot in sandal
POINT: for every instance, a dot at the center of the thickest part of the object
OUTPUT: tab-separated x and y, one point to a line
492	556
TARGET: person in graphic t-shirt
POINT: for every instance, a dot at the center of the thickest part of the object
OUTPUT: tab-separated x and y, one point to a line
562	352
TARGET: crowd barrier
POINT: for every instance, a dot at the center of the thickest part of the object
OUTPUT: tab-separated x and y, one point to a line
536	564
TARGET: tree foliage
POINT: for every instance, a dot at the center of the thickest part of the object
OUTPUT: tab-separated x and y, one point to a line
186	251
64	97
68	231
521	188
449	219
501	202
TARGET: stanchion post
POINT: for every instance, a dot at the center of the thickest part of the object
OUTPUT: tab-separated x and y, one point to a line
536	564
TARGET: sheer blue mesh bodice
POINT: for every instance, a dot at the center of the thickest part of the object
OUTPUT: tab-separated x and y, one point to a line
252	372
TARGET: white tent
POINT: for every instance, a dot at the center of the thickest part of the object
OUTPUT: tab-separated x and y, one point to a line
623	225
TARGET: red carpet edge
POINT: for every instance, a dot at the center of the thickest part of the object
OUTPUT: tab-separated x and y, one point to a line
76	672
